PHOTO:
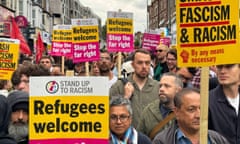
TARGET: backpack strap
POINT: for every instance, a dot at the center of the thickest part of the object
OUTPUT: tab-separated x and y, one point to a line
161	124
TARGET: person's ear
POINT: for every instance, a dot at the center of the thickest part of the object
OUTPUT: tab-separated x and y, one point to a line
176	112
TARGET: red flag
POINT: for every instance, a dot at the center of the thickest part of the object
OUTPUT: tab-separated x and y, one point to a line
39	48
16	34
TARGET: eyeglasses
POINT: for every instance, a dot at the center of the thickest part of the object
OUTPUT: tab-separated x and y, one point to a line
226	66
159	50
122	118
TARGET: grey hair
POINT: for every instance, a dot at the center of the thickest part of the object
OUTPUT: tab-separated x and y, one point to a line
178	80
182	93
122	102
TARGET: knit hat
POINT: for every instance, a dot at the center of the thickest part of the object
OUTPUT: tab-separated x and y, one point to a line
18	100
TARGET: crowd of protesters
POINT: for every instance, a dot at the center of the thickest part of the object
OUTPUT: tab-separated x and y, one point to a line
152	101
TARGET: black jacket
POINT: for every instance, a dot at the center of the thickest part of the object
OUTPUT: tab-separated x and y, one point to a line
222	116
5	112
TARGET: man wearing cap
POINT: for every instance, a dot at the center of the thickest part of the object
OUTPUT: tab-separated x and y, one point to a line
18	127
4	121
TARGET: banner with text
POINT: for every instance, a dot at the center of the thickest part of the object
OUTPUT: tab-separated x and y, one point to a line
207	32
150	41
69	110
62	41
9	54
85	40
120	31
165	40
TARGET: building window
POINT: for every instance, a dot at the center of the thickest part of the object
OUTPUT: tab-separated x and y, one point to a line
3	2
43	19
20	7
38	2
33	17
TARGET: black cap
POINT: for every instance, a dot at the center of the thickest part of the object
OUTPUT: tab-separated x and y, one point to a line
18	100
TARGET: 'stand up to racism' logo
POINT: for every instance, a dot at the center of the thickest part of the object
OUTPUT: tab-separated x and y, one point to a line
52	87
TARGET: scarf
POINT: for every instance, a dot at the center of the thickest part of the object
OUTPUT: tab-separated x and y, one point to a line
128	137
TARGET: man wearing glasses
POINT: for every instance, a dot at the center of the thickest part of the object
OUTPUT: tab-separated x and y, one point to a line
121	131
224	103
160	61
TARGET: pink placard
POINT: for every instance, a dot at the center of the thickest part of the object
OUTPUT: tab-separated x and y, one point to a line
62	49
150	41
165	41
120	42
84	52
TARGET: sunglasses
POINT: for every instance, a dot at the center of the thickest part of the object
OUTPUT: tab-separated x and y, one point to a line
160	50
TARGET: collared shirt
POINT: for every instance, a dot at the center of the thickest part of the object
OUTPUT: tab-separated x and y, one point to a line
164	110
182	139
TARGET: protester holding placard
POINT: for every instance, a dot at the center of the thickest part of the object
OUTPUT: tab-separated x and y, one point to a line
137	87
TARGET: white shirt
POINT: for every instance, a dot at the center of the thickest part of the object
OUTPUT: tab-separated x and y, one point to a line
112	81
234	102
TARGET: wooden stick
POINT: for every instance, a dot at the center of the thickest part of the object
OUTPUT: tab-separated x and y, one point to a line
204	90
119	64
63	66
87	68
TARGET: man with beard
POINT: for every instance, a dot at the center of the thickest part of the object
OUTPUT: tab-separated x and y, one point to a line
158	110
140	89
172	60
105	65
186	129
18	127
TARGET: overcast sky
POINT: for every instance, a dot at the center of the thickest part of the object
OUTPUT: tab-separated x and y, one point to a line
137	7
